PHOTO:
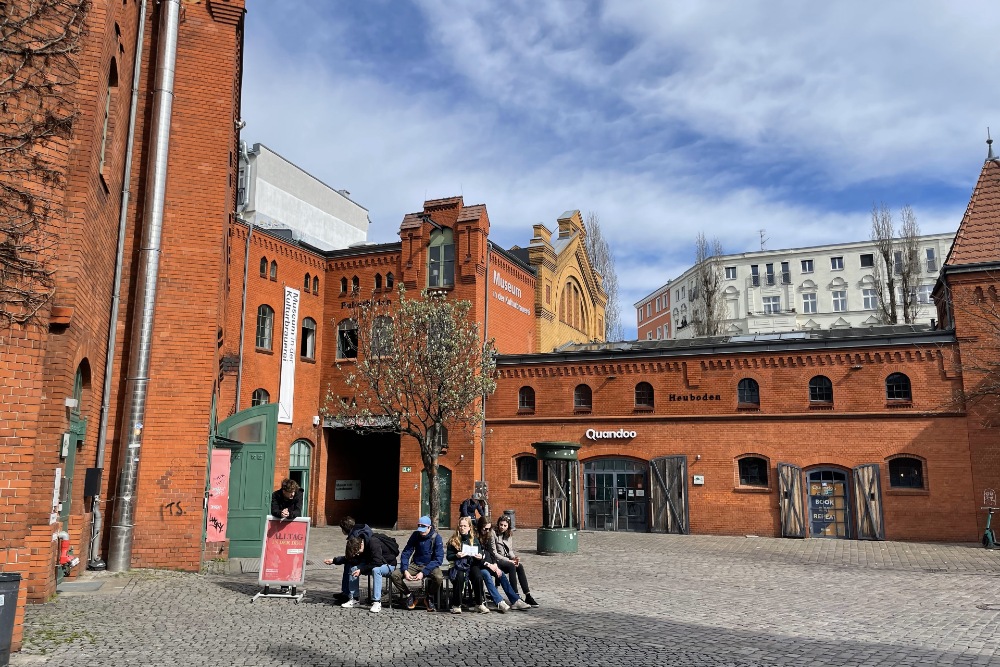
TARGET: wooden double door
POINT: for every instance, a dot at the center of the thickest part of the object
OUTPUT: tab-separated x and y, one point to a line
830	502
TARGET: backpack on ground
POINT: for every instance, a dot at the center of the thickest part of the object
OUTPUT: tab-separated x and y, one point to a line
390	548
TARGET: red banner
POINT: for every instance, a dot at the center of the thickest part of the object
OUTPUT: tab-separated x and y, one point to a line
283	560
218	496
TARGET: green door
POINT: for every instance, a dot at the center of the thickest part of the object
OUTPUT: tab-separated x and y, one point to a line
251	434
444	486
299	457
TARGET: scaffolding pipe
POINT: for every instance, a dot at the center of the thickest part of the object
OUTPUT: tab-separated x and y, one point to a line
137	382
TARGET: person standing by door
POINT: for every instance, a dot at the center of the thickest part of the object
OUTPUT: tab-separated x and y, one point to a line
286	502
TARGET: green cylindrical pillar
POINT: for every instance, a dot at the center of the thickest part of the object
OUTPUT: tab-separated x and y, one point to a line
560	472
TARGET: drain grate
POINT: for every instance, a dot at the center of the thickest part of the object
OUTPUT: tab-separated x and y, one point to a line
992	606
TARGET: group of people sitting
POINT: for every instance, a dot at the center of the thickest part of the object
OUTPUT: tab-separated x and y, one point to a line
479	554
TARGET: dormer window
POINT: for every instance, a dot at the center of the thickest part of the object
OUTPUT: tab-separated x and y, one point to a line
441	259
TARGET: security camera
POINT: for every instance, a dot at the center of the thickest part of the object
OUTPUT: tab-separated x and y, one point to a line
240	124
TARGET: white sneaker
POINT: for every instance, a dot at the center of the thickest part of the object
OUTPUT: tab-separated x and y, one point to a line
456	610
482	609
521	605
503	607
376	607
353	602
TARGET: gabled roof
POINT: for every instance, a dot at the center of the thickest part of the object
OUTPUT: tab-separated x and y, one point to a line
978	237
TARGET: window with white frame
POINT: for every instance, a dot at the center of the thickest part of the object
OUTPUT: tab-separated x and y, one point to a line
807	266
867	260
808	303
657	304
772	305
840	301
836	263
931	260
924	293
639	315
870	298
730	273
649	335
659	333
647	310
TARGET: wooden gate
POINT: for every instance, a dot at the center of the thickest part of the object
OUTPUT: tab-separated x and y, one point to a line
668	495
793	520
868	516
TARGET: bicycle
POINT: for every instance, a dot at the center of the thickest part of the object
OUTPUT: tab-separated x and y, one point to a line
989	537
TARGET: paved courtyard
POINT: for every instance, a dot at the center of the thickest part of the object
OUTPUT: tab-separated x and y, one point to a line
625	599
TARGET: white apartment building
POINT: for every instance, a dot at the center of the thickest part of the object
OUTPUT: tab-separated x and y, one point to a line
821	287
275	194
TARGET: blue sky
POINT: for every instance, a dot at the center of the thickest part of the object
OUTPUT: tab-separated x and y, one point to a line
663	118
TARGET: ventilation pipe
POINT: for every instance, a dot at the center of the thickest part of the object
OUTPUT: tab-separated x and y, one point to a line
137	382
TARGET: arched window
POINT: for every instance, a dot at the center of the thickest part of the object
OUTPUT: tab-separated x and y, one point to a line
526	466
378	281
315	284
263	267
343	285
897	388
644	395
109	104
309	338
441	259
382	336
265	327
820	390
748	392
274	270
355	285
389	280
347	340
308	283
906	472
753	471
259	397
526	399
583	398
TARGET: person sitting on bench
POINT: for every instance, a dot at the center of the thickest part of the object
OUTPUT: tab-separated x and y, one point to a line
421	559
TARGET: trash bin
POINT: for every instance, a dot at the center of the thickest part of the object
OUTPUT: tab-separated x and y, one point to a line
510	515
10	584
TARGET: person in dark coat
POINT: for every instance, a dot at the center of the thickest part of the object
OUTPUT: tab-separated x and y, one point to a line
350	529
473	508
286	502
421	558
376	559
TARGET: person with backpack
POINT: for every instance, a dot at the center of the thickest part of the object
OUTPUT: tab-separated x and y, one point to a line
421	558
378	560
350	529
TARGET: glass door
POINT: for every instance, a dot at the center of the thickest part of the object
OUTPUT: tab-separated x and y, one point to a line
828	505
615	493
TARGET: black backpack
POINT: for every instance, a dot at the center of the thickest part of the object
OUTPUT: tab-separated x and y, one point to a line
390	548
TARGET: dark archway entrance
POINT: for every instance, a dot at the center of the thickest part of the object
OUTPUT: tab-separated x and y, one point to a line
362	477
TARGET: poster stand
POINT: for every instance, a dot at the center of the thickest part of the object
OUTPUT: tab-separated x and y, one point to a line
283	558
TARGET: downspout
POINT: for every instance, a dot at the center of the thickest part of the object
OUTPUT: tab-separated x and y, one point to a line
137	381
95	562
246	273
486	337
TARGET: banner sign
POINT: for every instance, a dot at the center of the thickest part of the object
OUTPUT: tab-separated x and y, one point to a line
289	340
283	554
218	495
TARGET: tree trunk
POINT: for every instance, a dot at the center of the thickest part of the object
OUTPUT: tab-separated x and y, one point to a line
430	460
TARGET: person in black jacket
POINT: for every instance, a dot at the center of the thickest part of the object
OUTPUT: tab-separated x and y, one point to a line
350	529
286	502
377	559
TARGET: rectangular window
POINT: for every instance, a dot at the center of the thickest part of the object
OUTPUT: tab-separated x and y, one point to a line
931	260
786	274
647	310
808	303
897	262
639	315
837	263
807	266
755	275
772	305
867	261
683	292
657	304
769	272
730	273
871	300
649	335
659	333
924	293
839	301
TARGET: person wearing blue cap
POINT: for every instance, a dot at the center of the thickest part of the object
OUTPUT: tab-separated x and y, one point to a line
421	559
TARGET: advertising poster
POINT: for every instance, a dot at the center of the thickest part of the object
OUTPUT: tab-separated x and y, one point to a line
218	495
283	559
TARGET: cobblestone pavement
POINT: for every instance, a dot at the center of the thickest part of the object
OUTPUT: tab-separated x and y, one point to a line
625	599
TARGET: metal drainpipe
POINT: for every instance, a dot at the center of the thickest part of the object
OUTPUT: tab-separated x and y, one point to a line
95	561
246	273
137	382
486	337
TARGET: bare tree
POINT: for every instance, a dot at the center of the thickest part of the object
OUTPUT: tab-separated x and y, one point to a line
38	43
603	261
897	269
709	312
422	367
